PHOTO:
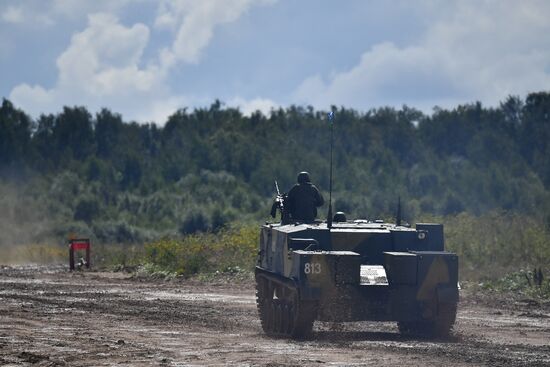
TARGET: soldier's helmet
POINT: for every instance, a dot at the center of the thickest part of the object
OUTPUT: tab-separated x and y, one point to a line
339	217
303	177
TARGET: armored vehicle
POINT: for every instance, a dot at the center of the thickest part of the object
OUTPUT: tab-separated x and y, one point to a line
353	271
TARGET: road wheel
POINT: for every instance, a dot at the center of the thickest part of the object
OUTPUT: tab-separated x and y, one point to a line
445	319
303	316
287	317
439	327
277	318
264	300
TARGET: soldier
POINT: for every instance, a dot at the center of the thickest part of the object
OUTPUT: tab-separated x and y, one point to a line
303	199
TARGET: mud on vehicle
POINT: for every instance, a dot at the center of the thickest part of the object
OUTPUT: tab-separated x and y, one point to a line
354	271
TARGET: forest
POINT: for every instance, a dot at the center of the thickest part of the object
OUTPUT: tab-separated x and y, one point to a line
205	169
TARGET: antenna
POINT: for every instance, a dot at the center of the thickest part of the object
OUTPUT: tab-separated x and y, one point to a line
398	215
329	215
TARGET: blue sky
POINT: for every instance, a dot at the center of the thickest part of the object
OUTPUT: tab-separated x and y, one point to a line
145	59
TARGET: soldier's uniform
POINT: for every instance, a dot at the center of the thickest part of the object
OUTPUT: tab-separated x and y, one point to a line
303	199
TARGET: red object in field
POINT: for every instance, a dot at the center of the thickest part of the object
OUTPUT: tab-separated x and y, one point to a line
79	244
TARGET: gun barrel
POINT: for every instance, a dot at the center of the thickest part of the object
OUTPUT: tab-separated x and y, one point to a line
277	187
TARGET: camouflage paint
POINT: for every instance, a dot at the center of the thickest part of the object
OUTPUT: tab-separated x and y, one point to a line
417	279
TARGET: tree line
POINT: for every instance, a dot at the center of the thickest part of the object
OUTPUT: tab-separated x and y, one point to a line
204	168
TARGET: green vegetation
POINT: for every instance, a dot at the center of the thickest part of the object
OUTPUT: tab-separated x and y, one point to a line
495	243
519	284
231	250
179	197
34	253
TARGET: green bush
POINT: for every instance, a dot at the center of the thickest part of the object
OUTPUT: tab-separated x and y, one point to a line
230	248
520	283
496	243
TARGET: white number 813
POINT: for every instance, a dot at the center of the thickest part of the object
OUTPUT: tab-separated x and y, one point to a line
312	268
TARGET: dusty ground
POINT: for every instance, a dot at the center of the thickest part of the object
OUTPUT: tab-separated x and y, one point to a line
50	317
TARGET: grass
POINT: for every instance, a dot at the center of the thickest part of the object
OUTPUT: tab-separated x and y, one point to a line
496	243
492	248
231	250
34	253
521	283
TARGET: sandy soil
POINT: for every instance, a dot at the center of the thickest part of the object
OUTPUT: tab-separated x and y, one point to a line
50	317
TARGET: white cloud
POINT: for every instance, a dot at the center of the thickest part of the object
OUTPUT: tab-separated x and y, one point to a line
12	15
48	12
78	8
194	23
25	14
106	56
103	66
247	107
474	50
35	97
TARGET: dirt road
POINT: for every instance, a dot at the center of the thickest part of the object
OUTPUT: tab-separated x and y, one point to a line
49	317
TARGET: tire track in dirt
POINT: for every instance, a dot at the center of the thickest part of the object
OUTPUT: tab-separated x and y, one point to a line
51	317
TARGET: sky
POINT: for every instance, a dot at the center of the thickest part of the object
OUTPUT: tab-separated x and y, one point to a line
146	59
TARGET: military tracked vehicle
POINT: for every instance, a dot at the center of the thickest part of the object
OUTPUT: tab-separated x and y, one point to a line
358	270
353	271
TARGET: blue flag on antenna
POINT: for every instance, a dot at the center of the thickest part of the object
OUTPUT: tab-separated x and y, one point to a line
330	117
